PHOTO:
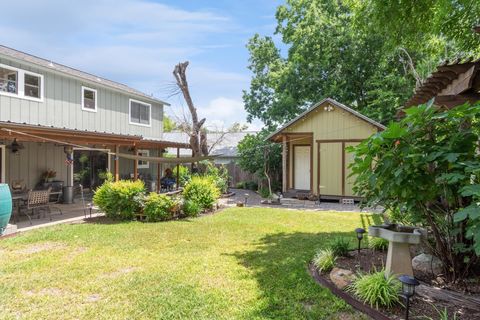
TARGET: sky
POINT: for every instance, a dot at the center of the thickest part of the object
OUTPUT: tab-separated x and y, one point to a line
138	43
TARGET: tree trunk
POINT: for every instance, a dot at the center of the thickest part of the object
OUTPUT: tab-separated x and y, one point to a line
180	74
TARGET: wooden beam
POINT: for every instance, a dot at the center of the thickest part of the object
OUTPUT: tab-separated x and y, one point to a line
178	168
284	164
116	164
135	164
159	172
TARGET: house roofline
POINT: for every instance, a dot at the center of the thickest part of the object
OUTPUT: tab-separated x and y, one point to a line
84	76
318	104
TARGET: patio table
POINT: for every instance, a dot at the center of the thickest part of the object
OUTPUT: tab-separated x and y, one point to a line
17	199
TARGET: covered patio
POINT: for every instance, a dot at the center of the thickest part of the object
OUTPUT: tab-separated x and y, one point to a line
41	158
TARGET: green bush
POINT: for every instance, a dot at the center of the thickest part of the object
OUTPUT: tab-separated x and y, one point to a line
377	243
240	185
203	191
159	207
191	208
251	185
324	260
264	193
184	175
340	246
121	199
376	289
218	174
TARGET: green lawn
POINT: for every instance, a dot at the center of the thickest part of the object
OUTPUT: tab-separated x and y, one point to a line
241	263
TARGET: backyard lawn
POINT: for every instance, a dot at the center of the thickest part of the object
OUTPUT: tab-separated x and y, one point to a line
240	263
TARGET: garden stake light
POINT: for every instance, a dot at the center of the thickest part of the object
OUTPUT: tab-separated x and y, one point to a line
246	199
408	290
360	232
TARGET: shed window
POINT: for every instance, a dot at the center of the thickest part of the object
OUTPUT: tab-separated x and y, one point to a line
89	99
32	85
140	113
8	80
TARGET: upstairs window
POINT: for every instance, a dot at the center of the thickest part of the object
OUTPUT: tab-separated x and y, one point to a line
140	113
89	99
21	83
8	80
32	86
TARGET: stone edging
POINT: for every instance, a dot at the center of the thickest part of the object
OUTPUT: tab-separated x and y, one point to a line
373	313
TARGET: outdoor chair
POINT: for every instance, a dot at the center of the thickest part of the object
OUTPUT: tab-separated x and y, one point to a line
38	200
87	207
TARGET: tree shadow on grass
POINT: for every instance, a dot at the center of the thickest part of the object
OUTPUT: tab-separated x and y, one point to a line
287	291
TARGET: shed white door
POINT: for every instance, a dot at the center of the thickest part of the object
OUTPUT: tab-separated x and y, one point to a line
301	168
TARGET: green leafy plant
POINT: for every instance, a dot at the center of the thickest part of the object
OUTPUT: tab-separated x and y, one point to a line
159	207
219	175
121	199
443	314
240	185
376	289
377	243
251	185
324	260
425	170
203	191
184	175
264	193
191	208
340	246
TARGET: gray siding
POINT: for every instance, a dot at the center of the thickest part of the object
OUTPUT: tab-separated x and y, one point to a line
29	164
62	108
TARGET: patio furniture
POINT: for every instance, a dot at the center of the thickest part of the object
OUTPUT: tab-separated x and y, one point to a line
18	200
38	200
87	207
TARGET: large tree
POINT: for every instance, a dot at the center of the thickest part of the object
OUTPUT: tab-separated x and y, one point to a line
368	54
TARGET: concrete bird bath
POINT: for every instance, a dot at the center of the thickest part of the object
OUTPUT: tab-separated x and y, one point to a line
400	238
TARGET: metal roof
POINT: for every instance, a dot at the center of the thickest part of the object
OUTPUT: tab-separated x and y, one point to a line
56	67
315	106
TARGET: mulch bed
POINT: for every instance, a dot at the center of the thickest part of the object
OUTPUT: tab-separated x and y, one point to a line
458	299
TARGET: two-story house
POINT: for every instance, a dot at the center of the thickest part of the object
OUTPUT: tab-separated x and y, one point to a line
56	118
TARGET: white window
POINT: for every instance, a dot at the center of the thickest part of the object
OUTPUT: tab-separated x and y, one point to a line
21	83
89	99
8	80
142	164
140	113
33	85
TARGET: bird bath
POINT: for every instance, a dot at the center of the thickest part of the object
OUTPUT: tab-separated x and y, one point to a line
400	238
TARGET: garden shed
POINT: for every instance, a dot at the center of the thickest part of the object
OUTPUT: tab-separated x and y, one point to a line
314	158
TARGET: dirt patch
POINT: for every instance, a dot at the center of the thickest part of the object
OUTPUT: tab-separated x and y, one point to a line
39	247
52	292
93	298
121	272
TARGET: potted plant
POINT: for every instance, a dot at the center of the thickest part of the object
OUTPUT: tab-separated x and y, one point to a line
49	175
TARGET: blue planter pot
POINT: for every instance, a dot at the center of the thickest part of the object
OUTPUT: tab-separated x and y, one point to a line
5	206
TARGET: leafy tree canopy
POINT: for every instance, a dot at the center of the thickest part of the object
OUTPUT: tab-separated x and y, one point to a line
367	54
168	124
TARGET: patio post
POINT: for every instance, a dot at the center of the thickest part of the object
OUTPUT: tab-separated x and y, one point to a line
115	164
284	164
178	167
135	164
159	170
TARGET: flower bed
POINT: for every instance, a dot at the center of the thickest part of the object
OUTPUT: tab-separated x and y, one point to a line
430	300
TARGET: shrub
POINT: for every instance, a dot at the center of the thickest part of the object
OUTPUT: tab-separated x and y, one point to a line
184	175
218	174
240	185
121	199
377	243
376	289
251	185
203	191
264	192
340	246
159	207
191	208
324	260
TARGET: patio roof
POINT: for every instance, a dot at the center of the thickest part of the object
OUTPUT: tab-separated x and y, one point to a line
38	133
452	84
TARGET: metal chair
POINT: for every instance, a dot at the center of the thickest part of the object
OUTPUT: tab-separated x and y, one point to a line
86	206
37	200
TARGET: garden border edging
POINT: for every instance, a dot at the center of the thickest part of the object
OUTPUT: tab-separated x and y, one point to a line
373	313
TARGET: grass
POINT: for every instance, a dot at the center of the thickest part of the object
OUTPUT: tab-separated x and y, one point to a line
241	263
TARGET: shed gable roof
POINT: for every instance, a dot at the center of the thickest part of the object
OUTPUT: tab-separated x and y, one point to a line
319	104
